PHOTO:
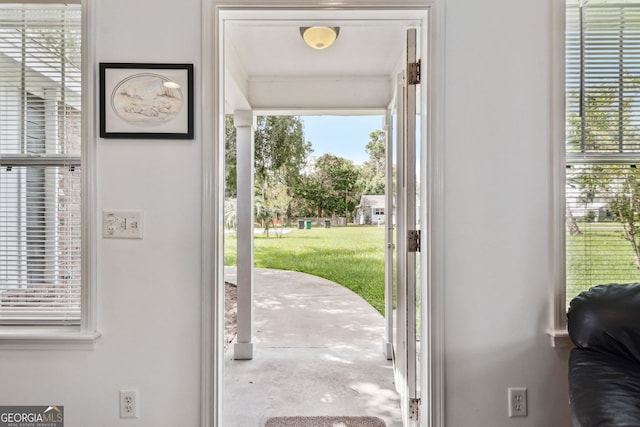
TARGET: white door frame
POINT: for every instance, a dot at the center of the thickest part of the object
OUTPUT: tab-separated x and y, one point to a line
212	136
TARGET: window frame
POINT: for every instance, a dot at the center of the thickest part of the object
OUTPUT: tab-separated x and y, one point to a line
557	329
84	335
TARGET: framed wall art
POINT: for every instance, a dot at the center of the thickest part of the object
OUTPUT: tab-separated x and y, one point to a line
152	101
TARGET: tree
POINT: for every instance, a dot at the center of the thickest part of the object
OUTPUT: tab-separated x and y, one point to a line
572	224
595	129
375	148
372	180
625	204
375	185
311	190
264	214
230	158
280	151
278	200
230	214
330	187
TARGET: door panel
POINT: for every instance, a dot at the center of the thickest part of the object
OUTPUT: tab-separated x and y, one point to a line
406	345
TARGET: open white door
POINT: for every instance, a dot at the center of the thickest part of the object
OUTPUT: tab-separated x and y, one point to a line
406	325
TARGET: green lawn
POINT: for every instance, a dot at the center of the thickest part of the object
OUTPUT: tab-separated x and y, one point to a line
602	253
352	256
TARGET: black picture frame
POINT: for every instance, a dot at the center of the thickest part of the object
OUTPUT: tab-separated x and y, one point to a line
146	101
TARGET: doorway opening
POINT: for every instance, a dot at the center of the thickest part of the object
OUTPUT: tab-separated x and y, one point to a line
315	173
316	214
325	87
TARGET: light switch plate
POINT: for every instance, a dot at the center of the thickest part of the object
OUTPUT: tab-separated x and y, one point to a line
121	224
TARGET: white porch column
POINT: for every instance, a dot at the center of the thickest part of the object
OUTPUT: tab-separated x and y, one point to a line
389	224
245	126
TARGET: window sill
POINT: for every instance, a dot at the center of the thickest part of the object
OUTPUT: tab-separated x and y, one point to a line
47	339
560	338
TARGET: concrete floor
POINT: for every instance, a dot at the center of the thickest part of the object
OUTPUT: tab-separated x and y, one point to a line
318	352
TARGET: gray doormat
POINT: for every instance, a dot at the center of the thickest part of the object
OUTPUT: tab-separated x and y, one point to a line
325	422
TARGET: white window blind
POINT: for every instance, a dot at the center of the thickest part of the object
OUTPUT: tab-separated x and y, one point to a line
602	144
40	170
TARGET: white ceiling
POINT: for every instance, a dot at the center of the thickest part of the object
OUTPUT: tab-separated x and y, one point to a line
269	48
280	51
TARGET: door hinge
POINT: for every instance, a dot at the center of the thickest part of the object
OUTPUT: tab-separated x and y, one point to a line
414	409
414	71
413	240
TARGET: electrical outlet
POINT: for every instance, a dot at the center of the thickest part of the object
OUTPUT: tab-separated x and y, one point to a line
128	404
517	401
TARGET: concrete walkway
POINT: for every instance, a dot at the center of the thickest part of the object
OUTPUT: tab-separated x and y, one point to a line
318	352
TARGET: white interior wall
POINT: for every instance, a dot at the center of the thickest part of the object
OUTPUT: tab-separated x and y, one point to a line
497	209
497	234
148	290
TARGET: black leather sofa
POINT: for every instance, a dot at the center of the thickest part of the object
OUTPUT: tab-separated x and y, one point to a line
604	368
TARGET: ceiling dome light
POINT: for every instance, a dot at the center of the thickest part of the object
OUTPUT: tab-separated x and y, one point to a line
319	37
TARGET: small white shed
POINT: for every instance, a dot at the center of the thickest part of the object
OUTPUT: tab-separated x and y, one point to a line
371	209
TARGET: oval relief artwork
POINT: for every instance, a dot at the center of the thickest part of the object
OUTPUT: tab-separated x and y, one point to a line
147	99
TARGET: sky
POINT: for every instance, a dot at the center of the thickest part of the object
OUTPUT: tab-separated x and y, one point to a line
344	136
